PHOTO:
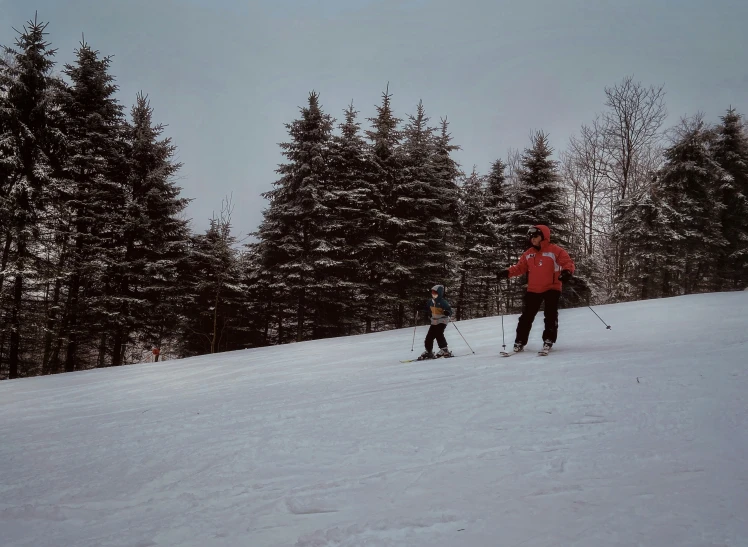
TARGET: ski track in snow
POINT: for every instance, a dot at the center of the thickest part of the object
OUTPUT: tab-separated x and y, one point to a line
632	436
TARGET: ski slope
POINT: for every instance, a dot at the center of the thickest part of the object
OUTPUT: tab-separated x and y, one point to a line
636	435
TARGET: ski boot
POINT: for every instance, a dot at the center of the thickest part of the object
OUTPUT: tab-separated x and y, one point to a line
547	345
517	348
444	352
426	355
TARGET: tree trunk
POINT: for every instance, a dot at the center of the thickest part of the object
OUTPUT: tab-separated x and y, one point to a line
117	347
400	315
72	345
592	211
51	321
6	253
73	304
463	280
687	286
15	321
2	348
300	312
215	323
281	330
101	361
3	263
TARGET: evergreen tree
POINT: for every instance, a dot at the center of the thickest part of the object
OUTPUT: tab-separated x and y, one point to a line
261	294
498	204
385	139
213	309
356	198
645	231
294	229
419	251
539	198
254	304
154	237
447	174
689	183
731	152
27	132
478	248
94	195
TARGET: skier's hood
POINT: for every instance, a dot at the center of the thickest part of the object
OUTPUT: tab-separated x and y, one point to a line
439	290
546	232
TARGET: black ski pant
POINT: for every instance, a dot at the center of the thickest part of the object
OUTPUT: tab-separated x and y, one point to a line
435	332
532	302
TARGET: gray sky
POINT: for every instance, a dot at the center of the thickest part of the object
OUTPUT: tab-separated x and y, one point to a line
225	75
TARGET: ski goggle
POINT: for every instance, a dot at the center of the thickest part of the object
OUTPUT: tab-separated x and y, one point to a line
534	232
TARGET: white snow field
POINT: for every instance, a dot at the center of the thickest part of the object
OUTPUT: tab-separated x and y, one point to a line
634	436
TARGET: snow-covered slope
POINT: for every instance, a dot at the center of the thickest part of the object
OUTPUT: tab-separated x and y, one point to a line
632	436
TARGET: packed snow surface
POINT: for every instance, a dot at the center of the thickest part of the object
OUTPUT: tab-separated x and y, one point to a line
636	435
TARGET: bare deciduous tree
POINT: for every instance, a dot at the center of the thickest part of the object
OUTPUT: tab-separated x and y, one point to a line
632	131
584	167
223	244
513	166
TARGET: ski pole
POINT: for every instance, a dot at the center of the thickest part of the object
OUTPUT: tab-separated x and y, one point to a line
498	304
415	316
600	318
458	330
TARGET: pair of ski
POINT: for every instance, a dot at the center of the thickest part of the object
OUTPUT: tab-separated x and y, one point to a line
434	359
541	353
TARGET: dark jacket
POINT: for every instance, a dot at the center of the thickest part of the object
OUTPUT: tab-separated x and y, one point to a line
438	307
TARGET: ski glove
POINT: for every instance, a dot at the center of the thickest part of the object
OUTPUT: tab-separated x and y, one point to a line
503	274
565	276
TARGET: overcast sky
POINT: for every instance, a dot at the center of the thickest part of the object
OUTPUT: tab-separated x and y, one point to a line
225	75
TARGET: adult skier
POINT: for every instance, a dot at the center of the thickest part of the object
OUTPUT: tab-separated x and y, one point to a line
547	266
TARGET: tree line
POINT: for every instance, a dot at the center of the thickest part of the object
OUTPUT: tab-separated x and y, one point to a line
99	264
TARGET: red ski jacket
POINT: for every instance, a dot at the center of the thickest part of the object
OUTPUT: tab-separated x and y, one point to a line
543	266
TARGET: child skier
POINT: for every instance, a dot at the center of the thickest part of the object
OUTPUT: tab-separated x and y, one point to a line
547	266
440	313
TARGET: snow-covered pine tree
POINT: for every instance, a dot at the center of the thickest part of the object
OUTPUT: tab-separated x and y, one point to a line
385	138
356	200
689	183
27	132
731	152
294	229
498	204
447	172
254	318
155	238
477	252
215	296
260	293
94	196
644	230
425	206
539	198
